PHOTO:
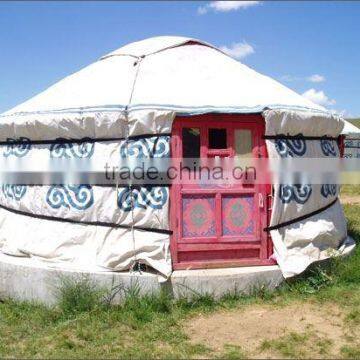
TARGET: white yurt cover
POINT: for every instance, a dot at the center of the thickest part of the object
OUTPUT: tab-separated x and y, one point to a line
135	91
350	129
352	141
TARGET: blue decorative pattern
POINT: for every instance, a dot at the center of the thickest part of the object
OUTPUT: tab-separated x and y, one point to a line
15	192
79	197
328	190
152	196
300	193
328	147
18	150
154	147
67	150
289	147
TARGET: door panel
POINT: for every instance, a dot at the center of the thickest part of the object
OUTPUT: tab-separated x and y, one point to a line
198	216
238	215
219	224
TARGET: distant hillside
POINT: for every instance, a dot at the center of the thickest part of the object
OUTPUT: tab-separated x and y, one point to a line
356	122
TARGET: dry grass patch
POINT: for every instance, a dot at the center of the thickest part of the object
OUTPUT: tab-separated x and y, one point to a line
350	199
350	194
296	330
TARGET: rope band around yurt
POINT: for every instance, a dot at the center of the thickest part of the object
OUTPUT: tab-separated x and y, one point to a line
145	136
83	140
299	137
93	223
300	218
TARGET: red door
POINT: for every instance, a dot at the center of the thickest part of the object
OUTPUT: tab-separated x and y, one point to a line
218	224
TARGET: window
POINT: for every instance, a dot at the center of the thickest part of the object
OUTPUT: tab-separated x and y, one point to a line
243	143
217	139
191	143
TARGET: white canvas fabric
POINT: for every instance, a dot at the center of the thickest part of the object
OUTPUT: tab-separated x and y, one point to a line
134	91
317	238
350	129
298	245
86	203
82	247
89	205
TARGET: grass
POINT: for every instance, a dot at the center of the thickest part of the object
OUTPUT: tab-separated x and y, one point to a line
354	316
339	279
85	325
350	352
233	352
296	345
80	295
350	190
289	346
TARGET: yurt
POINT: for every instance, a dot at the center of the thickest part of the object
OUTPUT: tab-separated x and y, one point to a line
351	141
162	98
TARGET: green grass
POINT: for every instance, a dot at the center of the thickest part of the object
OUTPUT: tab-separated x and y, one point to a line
232	352
350	190
350	352
289	346
79	295
338	280
354	316
297	345
85	325
145	327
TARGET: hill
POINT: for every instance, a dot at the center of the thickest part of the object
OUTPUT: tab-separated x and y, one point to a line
355	122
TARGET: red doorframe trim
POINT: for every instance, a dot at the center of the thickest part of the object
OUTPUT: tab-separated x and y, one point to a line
341	144
266	247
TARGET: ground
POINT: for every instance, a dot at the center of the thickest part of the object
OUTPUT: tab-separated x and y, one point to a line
316	316
298	329
350	194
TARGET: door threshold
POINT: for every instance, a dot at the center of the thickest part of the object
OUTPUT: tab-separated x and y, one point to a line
223	264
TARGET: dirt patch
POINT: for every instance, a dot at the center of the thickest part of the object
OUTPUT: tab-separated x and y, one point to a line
253	326
350	199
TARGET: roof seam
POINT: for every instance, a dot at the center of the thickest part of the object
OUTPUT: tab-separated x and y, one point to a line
179	108
184	43
111	55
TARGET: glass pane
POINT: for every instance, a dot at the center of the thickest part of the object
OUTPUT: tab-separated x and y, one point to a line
243	143
217	139
191	142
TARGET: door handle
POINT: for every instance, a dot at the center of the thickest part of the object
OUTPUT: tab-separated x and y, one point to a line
270	202
261	201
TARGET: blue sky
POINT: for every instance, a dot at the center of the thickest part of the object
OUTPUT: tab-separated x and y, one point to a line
312	47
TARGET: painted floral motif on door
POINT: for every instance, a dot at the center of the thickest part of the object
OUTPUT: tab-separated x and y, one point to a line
198	216
238	215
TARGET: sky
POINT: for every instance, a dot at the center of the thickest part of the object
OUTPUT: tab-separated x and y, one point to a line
311	47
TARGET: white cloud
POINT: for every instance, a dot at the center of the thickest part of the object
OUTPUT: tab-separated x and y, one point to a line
226	6
238	50
316	78
318	97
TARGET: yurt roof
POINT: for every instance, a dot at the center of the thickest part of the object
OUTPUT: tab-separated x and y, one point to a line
166	72
350	129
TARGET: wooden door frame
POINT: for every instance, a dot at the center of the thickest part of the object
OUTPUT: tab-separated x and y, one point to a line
266	247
